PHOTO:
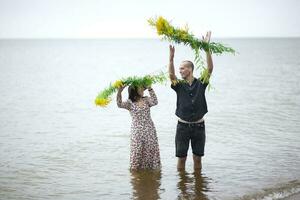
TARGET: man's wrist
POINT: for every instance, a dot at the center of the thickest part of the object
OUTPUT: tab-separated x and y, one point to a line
207	51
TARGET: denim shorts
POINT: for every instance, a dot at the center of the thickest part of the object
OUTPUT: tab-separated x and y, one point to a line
190	132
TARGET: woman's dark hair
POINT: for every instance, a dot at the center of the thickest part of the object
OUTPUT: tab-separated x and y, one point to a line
133	93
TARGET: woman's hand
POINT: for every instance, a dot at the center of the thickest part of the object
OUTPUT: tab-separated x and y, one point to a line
120	89
149	87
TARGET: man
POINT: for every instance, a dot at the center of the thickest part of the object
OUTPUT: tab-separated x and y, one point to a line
191	108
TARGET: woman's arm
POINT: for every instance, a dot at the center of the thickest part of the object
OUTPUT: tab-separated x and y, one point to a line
153	98
120	103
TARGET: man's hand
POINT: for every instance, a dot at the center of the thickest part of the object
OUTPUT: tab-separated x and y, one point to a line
172	52
207	37
209	60
171	63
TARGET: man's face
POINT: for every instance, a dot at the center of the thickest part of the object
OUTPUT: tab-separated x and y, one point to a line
184	70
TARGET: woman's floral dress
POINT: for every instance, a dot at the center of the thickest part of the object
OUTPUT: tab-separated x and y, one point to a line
144	152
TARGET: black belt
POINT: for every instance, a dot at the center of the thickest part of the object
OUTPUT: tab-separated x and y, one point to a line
201	124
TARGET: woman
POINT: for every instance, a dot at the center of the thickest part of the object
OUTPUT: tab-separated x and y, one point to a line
144	152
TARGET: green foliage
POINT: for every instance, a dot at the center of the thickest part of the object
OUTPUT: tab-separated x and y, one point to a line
104	97
183	36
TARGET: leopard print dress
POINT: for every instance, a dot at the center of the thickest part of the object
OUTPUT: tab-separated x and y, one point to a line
144	152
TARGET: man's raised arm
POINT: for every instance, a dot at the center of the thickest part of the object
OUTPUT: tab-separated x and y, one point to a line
171	64
209	61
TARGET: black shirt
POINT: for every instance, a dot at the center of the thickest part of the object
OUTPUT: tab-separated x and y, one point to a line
191	102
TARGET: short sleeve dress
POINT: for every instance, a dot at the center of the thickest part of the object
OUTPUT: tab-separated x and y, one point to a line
144	153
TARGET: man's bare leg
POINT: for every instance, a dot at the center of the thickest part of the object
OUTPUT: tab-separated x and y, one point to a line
197	162
181	163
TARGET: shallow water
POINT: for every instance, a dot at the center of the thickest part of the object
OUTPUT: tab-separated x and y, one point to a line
55	144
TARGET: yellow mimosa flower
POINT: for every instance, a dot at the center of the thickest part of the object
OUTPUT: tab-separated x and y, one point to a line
102	102
118	84
161	25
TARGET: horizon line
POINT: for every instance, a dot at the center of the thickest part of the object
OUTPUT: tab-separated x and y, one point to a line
143	38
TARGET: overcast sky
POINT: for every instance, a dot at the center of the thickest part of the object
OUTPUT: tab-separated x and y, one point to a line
128	18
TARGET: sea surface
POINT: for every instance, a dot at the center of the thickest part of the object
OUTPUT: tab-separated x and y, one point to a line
56	144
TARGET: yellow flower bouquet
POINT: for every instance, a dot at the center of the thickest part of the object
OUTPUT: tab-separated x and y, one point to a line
182	35
104	97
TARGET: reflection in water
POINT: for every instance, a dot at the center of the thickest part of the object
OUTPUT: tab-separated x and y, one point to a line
145	184
192	186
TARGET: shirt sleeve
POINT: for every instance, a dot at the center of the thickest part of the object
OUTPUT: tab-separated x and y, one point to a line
205	77
205	84
175	85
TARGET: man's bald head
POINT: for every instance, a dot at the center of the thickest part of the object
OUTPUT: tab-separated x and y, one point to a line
186	69
188	64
